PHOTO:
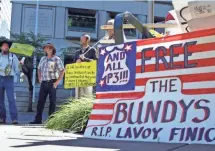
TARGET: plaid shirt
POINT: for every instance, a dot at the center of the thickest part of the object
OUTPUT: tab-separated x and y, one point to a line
50	68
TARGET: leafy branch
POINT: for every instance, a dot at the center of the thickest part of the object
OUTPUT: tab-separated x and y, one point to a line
29	38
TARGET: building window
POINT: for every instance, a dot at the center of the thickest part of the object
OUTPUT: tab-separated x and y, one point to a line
159	20
164	2
128	32
81	20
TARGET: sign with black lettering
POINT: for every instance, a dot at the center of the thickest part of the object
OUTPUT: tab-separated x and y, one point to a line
170	97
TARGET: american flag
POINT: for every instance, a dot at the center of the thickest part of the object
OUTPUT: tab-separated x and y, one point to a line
195	81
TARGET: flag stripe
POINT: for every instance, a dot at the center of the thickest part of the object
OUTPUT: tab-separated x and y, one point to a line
131	95
141	82
98	123
201	40
120	95
101	117
137	89
183	78
195	34
162	67
188	88
194	56
102	111
198	91
199	85
179	50
185	92
175	72
98	106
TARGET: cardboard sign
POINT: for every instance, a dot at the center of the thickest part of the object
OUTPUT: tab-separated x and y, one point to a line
195	15
80	75
173	30
157	90
200	9
23	49
182	13
201	24
203	15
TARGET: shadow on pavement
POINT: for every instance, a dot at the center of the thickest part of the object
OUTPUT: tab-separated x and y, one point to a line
105	144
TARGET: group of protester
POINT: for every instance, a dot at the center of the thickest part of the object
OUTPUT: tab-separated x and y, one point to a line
50	73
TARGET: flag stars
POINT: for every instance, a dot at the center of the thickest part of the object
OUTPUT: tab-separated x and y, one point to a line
102	52
128	47
101	83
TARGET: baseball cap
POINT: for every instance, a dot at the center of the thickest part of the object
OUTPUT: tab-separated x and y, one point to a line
87	36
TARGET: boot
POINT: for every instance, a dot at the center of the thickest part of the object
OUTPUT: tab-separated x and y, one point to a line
15	122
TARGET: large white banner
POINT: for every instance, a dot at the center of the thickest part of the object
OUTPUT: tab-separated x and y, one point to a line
160	90
194	15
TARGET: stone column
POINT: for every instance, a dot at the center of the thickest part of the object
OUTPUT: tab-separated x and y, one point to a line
60	22
16	18
102	20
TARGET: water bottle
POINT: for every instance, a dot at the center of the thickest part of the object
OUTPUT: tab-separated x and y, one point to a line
14	96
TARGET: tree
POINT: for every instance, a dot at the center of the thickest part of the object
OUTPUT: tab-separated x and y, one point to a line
3	38
29	38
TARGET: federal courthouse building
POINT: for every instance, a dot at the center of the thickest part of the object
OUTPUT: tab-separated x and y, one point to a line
63	22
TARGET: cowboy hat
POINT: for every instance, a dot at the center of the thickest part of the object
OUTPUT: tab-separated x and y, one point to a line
6	41
51	46
110	22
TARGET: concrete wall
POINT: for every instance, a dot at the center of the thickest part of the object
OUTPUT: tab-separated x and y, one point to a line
5	18
136	7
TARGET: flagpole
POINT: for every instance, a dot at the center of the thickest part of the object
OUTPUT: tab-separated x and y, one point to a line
35	56
150	17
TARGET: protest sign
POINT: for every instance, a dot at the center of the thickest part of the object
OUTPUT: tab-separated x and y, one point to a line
195	15
201	9
182	13
22	49
157	90
80	74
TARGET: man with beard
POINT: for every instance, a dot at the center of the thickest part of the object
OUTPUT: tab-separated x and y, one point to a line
9	67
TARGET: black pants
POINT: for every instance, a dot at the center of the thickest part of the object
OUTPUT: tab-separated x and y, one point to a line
28	72
46	89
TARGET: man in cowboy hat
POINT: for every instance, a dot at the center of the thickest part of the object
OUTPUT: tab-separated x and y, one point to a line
9	67
50	73
110	35
110	31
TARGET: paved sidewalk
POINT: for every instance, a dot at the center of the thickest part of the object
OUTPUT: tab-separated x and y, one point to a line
31	138
37	138
26	117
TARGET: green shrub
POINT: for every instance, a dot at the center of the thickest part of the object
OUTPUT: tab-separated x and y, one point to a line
72	115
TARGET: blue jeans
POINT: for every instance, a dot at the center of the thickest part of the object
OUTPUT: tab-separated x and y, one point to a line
7	83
